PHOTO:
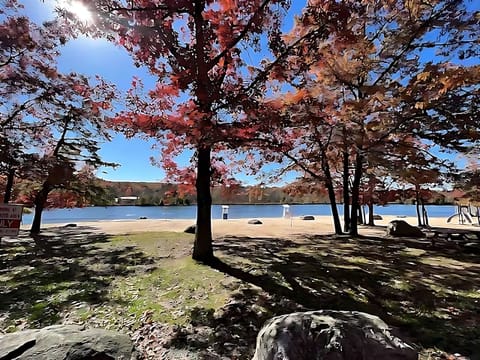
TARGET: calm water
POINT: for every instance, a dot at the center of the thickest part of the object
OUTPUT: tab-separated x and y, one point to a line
235	212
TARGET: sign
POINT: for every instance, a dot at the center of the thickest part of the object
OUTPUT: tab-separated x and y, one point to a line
10	219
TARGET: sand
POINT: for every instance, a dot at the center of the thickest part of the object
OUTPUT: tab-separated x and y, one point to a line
270	227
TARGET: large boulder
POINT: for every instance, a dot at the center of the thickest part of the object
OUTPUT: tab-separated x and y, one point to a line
66	342
192	229
329	335
402	228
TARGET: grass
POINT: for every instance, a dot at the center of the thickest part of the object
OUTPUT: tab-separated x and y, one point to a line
109	281
171	291
74	275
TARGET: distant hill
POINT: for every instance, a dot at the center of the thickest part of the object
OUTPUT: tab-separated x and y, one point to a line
157	193
153	193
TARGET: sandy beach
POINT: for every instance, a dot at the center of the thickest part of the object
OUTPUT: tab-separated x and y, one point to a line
270	227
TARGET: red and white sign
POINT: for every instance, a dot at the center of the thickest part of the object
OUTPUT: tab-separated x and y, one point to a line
10	219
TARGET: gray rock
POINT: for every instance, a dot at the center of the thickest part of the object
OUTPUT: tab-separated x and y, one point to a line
377	217
307	217
402	228
329	335
472	247
255	222
191	229
66	342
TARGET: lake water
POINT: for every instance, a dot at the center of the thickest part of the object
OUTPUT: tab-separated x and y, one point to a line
235	212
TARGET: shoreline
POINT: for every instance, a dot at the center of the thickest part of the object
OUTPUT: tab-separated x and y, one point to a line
270	227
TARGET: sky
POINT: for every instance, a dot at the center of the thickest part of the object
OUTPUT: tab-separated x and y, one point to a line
100	57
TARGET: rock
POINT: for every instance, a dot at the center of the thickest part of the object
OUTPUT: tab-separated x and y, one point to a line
329	335
402	228
377	217
70	225
255	222
307	217
66	342
142	218
191	229
472	247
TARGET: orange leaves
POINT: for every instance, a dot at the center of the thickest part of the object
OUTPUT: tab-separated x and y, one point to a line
420	105
295	97
423	76
228	5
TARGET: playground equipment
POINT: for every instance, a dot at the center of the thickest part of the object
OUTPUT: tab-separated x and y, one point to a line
466	212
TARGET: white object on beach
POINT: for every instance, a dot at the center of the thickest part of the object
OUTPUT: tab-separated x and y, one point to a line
224	212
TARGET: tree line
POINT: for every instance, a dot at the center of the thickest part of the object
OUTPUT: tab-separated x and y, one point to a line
355	97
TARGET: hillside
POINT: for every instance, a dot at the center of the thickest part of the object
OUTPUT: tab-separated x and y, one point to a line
152	193
156	193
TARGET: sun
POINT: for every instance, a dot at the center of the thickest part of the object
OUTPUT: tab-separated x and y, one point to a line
79	10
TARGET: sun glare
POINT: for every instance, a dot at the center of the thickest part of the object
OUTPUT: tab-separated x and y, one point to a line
78	9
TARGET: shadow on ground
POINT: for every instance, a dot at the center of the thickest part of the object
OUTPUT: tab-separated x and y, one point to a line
431	295
43	277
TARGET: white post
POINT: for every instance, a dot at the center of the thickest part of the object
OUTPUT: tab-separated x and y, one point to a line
224	212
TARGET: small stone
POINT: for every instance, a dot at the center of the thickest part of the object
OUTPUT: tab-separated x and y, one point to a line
307	217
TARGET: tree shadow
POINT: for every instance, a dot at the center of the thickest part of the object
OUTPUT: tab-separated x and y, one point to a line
430	295
228	333
45	276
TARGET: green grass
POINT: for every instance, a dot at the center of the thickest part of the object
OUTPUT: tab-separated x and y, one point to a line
109	281
171	292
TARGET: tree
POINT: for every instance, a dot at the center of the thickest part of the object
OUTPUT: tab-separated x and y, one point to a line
28	81
18	86
78	119
375	89
51	122
203	88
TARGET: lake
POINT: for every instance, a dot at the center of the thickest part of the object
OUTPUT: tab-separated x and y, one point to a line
235	212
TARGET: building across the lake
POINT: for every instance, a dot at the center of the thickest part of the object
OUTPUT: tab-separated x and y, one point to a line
126	200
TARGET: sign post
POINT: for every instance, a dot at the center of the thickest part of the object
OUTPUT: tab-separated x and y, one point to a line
10	219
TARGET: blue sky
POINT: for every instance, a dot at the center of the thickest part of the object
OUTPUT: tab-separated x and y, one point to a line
100	57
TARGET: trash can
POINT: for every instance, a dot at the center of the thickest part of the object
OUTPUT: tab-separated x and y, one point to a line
225	212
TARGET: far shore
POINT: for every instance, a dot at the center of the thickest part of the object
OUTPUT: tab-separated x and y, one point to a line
270	227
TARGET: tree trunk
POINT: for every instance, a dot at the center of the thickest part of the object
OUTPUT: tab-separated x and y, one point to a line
39	202
371	221
356	195
361	215
346	193
331	194
424	214
333	205
9	185
202	248
417	203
